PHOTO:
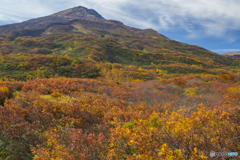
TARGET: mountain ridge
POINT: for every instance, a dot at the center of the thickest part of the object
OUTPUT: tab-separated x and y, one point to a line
232	54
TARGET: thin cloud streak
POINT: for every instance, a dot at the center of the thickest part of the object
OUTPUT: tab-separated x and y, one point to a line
226	50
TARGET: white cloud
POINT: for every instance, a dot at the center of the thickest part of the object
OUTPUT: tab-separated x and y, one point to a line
200	18
213	18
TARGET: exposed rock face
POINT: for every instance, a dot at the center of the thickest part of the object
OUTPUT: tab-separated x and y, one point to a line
80	13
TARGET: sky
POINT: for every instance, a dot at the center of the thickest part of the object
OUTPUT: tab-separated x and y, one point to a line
212	24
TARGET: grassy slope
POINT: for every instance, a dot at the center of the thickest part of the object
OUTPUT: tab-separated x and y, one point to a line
140	51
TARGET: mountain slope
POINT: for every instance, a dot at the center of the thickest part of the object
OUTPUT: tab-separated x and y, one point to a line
83	33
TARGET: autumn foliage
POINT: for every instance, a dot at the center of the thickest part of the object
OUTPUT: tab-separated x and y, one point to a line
71	118
90	90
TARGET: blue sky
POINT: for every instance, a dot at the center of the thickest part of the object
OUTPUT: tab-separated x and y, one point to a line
212	24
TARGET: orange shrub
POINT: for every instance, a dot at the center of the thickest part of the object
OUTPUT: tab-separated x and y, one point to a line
180	82
227	76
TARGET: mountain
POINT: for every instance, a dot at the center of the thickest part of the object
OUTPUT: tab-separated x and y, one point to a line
77	19
232	54
83	33
63	16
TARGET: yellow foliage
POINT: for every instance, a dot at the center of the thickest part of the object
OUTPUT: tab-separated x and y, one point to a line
132	67
160	72
115	75
100	90
54	150
191	91
168	154
136	80
141	69
59	99
56	94
234	89
152	64
7	79
4	89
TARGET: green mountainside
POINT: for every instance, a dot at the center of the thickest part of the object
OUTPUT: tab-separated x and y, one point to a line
83	33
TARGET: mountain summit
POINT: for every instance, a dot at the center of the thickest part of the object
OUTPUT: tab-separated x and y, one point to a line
76	13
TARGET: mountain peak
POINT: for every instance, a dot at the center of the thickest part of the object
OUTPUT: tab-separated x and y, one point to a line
76	13
79	12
